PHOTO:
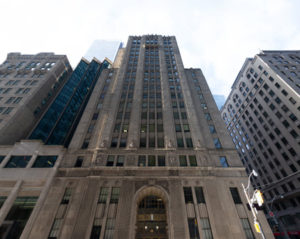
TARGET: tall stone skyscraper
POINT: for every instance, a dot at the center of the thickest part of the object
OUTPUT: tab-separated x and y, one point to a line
262	114
150	158
28	83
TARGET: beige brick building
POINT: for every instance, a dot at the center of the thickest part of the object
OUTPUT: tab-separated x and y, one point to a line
151	158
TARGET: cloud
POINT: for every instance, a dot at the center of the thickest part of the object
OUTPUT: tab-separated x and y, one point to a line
216	36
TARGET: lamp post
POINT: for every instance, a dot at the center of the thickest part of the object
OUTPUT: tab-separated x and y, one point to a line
277	221
251	200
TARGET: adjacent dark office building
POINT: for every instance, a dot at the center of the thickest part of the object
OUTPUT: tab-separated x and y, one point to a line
28	83
262	114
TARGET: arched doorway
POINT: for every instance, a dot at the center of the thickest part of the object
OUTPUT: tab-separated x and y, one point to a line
151	222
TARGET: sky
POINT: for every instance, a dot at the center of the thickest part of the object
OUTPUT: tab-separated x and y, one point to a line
214	35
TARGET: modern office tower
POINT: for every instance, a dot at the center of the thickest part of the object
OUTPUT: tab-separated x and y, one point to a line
28	83
262	115
102	49
150	158
57	125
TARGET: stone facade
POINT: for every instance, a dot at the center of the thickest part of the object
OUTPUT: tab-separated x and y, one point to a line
150	158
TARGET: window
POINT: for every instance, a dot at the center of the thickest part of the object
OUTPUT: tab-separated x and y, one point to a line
109	228
142	161
110	160
161	160
224	162
182	161
85	144
212	129
188	195
67	196
103	195
96	231
123	142
120	161
247	228
217	143
193	228
186	128
293	117
205	225
207	116
18	216
180	143
151	160
1	158
199	195
291	99
284	92
193	160
235	196
2	200
114	197
25	91
8	110
44	161
55	228
95	116
79	162
189	142
160	142
10	100
178	127
18	161
17	100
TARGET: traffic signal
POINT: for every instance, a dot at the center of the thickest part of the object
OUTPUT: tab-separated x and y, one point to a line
259	197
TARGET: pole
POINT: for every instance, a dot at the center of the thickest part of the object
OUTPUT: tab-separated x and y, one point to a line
254	212
277	221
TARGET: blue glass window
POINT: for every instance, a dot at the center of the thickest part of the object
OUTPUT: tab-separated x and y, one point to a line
18	161
46	161
224	162
217	143
59	122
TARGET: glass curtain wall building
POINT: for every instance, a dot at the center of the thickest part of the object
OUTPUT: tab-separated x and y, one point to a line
59	122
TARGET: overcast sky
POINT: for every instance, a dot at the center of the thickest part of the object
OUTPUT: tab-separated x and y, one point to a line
214	35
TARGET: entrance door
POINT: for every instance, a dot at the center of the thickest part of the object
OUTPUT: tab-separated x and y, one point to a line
151	219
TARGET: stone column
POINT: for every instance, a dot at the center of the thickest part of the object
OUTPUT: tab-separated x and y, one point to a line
168	120
135	117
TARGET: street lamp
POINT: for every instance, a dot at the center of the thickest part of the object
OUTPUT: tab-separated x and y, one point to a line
257	197
275	197
252	173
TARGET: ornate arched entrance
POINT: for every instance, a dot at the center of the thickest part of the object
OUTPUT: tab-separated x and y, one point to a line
151	222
